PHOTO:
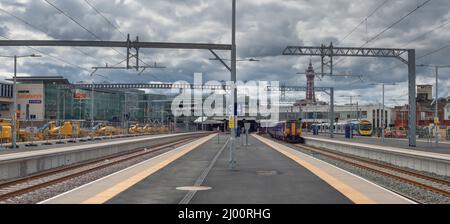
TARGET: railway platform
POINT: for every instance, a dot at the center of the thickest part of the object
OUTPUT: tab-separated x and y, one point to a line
426	157
50	144
198	173
19	163
422	145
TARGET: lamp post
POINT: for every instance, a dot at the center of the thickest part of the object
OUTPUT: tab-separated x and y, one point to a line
92	106
351	108
383	118
436	111
14	117
233	80
232	69
92	97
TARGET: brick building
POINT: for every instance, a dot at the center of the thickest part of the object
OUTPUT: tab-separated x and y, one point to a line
425	111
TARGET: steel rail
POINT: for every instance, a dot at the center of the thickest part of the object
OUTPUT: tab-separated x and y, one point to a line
347	159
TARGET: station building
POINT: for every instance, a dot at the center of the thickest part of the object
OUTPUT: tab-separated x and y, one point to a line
6	100
319	113
44	98
447	114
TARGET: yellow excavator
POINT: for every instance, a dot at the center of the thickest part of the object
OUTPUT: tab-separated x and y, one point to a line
67	130
135	129
105	130
163	129
5	130
149	129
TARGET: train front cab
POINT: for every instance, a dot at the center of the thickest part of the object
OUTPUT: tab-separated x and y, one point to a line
294	132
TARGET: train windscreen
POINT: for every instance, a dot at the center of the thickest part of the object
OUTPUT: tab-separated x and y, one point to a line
365	126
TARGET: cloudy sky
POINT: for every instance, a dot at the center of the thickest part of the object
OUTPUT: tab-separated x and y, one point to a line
265	28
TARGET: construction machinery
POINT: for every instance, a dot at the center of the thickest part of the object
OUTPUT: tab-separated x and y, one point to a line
67	130
148	128
5	130
103	129
136	129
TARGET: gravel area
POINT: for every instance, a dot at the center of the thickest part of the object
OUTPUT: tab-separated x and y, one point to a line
54	190
410	191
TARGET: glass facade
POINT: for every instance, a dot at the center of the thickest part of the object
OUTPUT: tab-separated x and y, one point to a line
158	108
63	102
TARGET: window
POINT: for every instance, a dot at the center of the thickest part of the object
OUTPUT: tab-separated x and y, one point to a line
4	107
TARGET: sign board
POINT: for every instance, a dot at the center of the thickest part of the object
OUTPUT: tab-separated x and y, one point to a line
35	101
232	123
78	95
29	96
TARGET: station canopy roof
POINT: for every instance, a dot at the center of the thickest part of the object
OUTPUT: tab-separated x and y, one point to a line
205	120
41	79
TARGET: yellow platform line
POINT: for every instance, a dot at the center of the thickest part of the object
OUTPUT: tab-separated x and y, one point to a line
113	191
348	191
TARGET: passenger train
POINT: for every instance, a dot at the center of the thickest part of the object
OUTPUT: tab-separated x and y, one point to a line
358	127
289	131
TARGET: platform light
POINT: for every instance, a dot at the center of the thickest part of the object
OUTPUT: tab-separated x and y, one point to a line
14	117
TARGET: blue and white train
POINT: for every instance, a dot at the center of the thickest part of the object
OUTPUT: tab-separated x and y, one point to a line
358	127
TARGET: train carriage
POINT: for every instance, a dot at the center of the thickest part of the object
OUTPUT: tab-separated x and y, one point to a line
289	131
358	127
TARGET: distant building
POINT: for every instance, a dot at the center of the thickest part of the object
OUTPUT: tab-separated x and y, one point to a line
447	114
310	92
401	114
43	98
310	98
443	111
6	100
320	114
425	110
424	92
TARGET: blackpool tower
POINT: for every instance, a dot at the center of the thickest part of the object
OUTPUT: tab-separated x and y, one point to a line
310	76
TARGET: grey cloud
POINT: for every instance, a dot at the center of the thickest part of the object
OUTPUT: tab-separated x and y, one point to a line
3	31
264	29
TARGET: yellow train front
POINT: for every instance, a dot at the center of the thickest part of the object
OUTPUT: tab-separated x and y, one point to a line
290	131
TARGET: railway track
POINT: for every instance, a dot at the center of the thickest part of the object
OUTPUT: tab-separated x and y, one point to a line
420	180
22	186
